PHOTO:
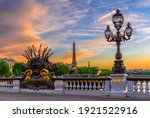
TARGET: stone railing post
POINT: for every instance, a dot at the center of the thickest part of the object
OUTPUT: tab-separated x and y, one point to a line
130	88
16	85
59	86
107	87
118	85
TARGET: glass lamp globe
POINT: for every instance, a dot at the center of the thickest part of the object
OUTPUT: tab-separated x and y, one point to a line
107	33
128	30
118	19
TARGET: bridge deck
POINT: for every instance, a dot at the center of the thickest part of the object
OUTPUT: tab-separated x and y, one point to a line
47	97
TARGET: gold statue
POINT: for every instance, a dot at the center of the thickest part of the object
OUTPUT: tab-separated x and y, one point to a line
45	74
28	74
73	70
99	72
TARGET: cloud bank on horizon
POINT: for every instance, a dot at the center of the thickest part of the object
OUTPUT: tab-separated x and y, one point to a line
57	23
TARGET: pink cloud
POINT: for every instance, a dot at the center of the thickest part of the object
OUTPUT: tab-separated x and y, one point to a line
17	30
80	55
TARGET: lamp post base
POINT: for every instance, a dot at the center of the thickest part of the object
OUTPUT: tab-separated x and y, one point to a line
118	67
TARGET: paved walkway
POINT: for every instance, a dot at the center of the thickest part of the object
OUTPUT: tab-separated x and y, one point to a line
47	97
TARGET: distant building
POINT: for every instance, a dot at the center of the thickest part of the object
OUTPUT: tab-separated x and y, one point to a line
146	70
135	70
10	62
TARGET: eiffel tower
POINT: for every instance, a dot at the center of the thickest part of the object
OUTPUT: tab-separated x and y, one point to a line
74	62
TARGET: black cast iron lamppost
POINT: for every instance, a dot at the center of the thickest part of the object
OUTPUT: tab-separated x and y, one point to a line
118	21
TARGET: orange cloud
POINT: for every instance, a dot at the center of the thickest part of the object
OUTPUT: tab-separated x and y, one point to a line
96	45
140	61
17	29
80	55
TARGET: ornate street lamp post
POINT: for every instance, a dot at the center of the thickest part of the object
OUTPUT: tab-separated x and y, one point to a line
118	21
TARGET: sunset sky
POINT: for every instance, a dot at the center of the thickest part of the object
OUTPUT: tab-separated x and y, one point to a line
57	23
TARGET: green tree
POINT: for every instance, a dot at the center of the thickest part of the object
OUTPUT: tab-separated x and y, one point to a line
62	69
4	69
138	73
87	70
17	68
106	72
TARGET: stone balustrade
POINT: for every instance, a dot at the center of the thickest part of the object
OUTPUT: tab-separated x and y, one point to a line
85	85
10	85
135	86
138	86
6	83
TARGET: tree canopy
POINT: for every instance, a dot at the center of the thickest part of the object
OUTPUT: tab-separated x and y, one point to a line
94	70
17	68
105	72
4	69
87	70
62	69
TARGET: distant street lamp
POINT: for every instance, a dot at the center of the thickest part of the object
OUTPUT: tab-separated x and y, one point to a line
118	21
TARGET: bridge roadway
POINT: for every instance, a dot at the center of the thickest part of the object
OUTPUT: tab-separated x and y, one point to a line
5	96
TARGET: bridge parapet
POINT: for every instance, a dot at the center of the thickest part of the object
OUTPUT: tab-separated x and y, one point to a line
10	85
135	86
138	86
84	85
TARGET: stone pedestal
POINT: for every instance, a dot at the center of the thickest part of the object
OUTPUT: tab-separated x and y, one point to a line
130	85
59	86
118	85
107	88
16	85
